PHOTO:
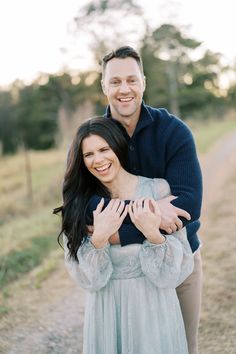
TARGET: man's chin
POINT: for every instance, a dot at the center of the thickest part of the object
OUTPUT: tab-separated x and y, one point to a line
126	114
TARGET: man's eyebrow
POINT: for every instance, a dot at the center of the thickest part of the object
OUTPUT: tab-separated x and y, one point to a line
118	77
114	77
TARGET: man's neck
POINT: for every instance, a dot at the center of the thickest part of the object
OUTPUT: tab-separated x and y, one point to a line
128	122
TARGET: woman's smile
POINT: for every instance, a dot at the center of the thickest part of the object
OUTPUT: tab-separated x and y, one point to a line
103	169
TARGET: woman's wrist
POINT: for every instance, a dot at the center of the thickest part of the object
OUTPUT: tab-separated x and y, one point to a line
156	237
98	242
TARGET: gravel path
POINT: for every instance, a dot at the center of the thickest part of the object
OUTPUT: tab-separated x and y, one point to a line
50	321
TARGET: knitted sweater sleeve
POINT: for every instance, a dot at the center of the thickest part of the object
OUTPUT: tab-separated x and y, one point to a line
183	171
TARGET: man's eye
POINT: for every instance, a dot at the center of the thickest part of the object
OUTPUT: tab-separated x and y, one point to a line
115	82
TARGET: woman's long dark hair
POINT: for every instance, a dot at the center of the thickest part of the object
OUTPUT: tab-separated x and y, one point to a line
80	185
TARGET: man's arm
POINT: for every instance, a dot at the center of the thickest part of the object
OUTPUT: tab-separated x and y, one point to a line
183	174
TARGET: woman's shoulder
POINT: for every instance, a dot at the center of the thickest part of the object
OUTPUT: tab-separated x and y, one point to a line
158	186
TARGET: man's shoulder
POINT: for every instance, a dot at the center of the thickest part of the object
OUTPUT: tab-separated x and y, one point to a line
164	118
157	112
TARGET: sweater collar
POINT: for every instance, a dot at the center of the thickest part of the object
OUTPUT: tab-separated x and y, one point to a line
145	117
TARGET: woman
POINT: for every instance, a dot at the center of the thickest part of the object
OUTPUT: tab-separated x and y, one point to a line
132	305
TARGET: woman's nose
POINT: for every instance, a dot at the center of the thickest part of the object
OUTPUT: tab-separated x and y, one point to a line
98	158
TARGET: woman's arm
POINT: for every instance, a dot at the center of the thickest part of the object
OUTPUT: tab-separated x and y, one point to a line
94	268
168	264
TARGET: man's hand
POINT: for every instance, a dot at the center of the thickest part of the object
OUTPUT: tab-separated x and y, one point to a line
114	239
170	214
90	230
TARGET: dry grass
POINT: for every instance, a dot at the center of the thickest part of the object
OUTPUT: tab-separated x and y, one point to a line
19	219
210	131
47	173
24	224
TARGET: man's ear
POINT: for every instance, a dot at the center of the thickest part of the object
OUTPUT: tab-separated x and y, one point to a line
103	87
144	83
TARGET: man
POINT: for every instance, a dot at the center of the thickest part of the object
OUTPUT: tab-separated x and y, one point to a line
160	145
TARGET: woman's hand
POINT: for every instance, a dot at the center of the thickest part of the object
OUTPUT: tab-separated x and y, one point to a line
146	216
107	221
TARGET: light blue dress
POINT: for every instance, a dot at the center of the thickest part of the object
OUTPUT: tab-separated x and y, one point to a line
132	306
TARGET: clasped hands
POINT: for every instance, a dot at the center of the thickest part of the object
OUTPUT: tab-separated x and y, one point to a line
144	213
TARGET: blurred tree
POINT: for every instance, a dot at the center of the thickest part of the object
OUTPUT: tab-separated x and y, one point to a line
105	23
231	92
36	114
232	96
8	132
166	50
174	80
85	101
200	85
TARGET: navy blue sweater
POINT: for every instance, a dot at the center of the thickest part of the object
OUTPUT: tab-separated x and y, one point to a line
163	146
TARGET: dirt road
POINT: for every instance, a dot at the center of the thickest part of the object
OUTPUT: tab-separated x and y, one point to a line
49	320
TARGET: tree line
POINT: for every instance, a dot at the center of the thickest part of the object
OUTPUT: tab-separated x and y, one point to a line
31	116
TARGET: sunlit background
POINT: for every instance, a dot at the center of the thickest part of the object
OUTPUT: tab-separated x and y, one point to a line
39	36
49	83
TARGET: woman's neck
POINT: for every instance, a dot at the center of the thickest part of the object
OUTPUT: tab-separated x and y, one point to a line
123	186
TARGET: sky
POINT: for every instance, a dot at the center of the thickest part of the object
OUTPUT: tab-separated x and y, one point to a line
33	33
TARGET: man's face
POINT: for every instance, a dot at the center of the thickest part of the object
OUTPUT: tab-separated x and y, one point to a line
123	83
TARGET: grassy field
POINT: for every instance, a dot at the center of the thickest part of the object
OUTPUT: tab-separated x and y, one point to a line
207	133
28	229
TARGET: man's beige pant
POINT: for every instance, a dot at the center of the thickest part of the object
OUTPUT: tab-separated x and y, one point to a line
189	294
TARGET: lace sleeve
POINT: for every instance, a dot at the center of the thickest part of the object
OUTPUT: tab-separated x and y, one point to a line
161	188
94	268
168	264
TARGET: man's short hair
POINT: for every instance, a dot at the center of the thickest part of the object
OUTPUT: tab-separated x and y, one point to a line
122	53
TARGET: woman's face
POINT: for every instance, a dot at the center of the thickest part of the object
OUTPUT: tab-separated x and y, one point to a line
100	159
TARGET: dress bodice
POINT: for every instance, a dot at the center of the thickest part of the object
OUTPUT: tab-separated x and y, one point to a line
125	261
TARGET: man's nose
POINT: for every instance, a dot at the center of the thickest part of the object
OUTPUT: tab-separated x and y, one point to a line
124	87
